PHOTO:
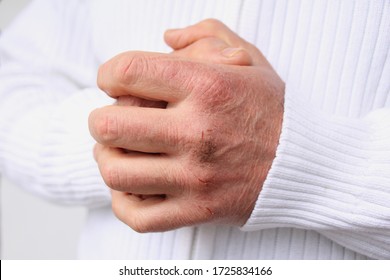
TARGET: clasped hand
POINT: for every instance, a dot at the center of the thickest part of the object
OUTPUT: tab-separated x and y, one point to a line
193	133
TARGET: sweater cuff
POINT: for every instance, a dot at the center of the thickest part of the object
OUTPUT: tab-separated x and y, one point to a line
317	177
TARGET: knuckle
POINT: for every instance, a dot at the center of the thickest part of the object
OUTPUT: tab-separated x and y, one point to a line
129	67
217	80
218	83
106	128
111	176
217	90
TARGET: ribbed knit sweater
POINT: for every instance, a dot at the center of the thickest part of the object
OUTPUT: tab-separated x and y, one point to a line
327	195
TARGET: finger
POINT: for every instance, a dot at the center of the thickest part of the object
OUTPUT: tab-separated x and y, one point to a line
156	214
136	173
151	76
215	50
146	130
181	38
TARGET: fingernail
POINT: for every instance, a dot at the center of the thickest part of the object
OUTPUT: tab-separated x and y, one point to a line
230	52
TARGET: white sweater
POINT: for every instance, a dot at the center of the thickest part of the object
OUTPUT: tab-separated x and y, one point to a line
327	195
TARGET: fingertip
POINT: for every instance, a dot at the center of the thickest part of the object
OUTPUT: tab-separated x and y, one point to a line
180	38
171	37
168	35
172	32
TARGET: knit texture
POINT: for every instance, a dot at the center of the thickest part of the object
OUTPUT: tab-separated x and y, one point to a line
326	195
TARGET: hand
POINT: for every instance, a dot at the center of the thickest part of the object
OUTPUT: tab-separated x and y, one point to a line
204	41
204	158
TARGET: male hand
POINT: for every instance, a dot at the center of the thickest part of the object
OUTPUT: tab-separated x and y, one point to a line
203	156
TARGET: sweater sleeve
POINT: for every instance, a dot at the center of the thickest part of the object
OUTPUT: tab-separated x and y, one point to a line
332	175
47	89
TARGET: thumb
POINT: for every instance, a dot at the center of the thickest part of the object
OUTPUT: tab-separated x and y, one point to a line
215	50
179	39
183	37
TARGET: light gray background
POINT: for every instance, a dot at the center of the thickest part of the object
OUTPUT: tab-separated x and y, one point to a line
32	228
